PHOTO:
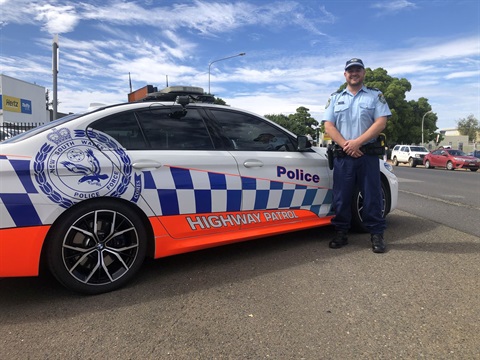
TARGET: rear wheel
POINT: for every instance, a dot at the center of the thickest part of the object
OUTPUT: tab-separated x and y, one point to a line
395	161
97	247
357	208
450	166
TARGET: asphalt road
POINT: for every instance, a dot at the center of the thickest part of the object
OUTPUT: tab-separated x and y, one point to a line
283	297
448	197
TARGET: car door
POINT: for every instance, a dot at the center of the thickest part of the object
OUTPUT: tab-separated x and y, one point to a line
184	179
437	159
403	154
280	185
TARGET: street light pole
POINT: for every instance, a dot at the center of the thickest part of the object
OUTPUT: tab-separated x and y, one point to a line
214	61
423	118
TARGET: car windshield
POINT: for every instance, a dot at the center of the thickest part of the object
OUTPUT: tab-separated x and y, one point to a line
418	148
41	128
456	153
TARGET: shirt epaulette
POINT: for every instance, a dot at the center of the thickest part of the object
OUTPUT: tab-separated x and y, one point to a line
336	92
372	88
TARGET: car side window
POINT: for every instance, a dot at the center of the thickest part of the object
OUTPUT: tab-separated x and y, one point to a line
165	130
155	129
124	128
250	133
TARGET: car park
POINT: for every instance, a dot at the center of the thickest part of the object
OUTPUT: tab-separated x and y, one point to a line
90	195
408	154
451	159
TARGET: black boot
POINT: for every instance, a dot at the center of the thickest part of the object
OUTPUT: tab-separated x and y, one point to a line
339	240
378	244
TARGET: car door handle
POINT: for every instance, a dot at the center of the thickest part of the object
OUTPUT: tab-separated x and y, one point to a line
142	164
252	163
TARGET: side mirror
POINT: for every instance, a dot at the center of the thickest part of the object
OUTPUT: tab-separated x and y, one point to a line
303	143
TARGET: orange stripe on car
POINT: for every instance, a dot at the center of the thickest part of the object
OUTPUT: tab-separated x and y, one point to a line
200	231
20	250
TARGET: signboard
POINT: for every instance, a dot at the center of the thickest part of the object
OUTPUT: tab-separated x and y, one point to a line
14	104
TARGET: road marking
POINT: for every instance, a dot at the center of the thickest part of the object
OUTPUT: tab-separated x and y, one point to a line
408	180
440	200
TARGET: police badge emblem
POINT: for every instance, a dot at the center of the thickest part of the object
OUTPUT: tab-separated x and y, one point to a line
328	103
69	169
381	98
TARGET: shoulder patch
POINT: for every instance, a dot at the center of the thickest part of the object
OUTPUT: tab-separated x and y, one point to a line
328	103
381	98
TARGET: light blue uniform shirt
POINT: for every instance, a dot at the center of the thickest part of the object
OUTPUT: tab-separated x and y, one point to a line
353	115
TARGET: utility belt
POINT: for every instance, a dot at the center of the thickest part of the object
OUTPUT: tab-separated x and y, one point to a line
375	148
368	149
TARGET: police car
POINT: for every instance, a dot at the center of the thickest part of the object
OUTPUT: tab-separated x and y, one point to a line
91	195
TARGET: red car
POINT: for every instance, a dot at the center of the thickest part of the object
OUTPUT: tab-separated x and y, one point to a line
450	159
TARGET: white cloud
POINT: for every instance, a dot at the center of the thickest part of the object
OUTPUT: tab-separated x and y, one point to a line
57	19
393	6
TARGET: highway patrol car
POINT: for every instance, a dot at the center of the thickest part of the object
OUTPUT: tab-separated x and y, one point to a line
91	195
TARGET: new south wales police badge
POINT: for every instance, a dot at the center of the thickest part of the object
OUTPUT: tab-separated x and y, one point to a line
69	169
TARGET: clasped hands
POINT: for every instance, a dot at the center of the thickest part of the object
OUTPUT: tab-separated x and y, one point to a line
352	148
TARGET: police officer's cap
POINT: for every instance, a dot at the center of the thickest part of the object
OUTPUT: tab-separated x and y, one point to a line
354	62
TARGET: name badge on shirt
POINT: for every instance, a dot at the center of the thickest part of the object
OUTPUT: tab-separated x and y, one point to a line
341	103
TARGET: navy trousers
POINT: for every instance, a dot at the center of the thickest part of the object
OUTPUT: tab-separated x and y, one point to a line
363	172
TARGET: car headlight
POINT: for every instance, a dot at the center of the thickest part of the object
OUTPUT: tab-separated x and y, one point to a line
388	166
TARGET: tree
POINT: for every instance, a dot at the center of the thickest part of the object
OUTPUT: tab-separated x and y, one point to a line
469	126
301	122
219	101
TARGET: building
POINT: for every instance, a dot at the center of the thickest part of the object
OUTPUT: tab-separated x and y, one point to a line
22	102
452	138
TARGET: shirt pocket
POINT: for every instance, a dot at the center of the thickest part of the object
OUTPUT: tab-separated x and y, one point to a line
340	108
367	109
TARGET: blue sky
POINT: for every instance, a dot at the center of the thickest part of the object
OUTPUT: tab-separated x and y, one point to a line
295	50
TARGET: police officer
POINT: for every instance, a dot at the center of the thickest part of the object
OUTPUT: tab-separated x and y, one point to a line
354	118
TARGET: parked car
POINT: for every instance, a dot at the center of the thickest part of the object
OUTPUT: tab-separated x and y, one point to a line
451	159
411	154
475	153
91	195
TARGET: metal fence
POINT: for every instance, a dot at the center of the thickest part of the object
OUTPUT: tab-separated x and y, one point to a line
7	130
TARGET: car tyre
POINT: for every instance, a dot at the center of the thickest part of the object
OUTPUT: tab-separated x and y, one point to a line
357	207
450	166
97	247
473	170
395	161
427	165
412	163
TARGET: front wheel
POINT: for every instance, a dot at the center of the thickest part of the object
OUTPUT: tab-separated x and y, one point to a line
450	166
412	163
97	247
427	165
357	208
473	170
